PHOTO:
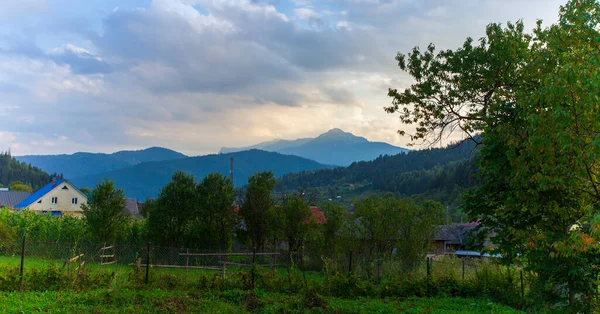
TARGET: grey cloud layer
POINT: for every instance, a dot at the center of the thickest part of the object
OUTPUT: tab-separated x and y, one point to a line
167	74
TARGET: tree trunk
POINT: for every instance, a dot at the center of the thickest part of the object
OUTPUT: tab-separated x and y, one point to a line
571	294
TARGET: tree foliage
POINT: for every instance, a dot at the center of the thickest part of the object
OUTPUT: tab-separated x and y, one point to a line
294	223
105	213
256	206
13	170
534	97
19	186
216	215
388	225
174	208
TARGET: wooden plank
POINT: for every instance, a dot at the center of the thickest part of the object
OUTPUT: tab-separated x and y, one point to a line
107	256
226	254
107	247
178	266
245	265
74	258
80	265
108	263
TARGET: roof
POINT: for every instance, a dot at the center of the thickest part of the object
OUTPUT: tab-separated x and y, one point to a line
317	216
39	193
456	234
12	198
131	206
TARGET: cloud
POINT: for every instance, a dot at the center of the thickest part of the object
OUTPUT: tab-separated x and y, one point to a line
195	75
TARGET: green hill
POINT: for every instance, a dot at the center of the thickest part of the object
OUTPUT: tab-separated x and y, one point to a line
439	173
146	179
13	170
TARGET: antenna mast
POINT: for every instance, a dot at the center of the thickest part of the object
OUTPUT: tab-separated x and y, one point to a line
231	170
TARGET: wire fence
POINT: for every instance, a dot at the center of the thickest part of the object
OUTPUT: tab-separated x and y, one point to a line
151	260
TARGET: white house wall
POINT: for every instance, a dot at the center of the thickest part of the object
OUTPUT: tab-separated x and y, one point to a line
63	204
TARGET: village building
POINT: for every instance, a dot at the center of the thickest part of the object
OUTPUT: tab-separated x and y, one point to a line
57	198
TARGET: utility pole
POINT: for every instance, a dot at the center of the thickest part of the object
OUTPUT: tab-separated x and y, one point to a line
231	170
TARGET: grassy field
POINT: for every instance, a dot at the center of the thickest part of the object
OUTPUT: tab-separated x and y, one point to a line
48	288
234	301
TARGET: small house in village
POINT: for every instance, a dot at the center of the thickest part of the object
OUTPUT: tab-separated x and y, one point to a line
11	198
56	198
451	238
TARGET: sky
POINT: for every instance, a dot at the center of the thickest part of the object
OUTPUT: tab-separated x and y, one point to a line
196	75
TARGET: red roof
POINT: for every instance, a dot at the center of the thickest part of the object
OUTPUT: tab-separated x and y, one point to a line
317	216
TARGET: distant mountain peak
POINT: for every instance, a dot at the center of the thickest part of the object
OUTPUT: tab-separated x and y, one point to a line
337	134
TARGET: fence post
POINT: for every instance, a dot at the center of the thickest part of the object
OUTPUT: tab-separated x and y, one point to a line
22	260
147	261
350	262
522	286
253	265
463	269
187	261
428	273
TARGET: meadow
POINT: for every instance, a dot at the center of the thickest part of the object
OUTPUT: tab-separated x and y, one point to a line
47	286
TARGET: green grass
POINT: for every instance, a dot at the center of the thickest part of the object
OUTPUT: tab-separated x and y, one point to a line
163	301
119	289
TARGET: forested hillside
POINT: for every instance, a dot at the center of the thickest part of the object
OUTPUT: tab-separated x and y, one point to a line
12	170
437	173
146	179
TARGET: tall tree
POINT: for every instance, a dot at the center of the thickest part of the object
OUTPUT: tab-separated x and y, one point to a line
294	216
256	205
174	208
534	97
105	214
216	194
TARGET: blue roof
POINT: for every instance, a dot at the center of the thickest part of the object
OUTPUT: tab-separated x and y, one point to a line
39	193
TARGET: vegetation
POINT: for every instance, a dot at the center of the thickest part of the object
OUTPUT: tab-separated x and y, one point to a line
439	174
256	206
146	179
121	288
534	99
105	213
19	176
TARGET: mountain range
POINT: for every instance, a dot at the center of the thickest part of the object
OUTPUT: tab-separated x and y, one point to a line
142	173
83	164
146	179
335	147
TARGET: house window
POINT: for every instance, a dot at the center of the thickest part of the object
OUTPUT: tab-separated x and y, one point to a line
74	201
40	201
55	200
56	213
65	187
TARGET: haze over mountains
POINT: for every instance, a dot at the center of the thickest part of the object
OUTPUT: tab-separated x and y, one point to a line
335	147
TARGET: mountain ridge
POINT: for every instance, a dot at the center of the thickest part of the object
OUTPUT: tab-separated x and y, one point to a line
334	147
86	163
146	179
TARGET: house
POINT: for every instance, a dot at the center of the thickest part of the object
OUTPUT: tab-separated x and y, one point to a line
451	238
12	198
56	198
132	206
